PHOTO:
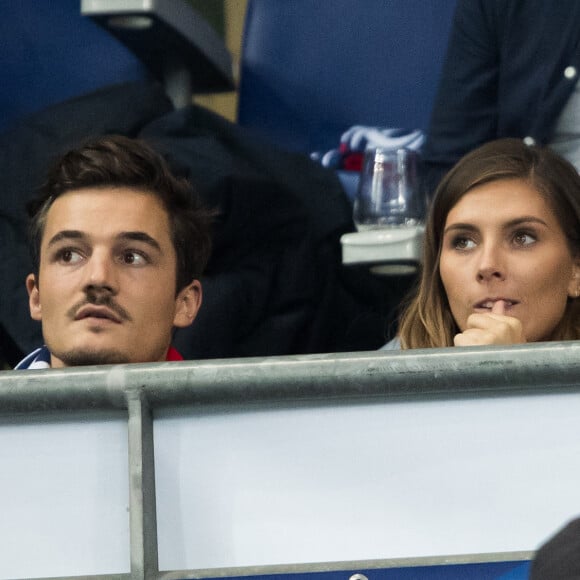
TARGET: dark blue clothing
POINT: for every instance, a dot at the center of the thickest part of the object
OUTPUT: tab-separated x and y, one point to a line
37	359
510	68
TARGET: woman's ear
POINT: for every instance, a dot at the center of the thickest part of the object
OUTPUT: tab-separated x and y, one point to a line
33	297
187	304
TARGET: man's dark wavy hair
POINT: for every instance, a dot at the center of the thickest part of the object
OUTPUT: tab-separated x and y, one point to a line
117	161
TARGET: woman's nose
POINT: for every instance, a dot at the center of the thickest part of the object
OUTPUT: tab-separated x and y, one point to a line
491	264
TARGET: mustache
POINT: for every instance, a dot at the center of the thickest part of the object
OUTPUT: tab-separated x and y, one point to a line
100	299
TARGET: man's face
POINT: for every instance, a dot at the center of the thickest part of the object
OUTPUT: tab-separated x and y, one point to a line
106	286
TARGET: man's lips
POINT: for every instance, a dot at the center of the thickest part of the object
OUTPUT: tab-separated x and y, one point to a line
101	312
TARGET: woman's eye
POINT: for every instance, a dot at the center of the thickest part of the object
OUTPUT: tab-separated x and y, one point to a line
524	239
463	243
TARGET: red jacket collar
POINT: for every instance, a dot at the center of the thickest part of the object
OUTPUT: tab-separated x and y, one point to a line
173	355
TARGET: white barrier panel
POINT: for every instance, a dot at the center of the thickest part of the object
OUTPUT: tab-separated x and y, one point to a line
385	480
64	495
287	460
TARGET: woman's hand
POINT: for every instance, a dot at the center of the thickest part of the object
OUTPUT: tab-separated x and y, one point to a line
492	328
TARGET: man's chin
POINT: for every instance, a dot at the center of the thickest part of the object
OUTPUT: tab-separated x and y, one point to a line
86	357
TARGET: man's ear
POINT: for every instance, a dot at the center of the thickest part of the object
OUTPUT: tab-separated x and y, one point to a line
187	304
33	297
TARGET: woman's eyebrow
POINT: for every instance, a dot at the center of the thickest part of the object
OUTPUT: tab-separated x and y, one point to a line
467	227
526	220
464	227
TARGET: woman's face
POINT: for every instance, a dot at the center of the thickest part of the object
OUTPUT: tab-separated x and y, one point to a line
503	244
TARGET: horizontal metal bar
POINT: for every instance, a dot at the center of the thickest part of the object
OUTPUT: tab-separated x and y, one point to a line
93	577
415	374
346	566
319	567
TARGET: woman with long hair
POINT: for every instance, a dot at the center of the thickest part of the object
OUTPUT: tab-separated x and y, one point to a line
501	262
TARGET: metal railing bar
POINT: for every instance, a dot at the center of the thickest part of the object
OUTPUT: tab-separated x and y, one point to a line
418	374
346	565
93	577
142	502
316	567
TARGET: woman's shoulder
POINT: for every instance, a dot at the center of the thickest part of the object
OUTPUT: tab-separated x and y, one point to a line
394	344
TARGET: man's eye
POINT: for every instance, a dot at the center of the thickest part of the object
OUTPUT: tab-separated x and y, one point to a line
68	256
133	258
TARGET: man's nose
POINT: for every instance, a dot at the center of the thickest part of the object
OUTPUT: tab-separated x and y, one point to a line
491	263
101	273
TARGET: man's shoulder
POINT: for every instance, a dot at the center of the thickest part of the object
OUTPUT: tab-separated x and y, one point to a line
37	359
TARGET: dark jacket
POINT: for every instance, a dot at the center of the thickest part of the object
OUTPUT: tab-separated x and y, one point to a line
559	557
511	65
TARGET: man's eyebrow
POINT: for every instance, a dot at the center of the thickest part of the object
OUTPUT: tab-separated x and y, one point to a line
136	236
66	235
139	237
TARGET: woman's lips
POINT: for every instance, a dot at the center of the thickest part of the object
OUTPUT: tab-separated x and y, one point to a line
489	304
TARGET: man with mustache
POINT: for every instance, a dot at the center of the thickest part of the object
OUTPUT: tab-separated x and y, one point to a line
118	246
